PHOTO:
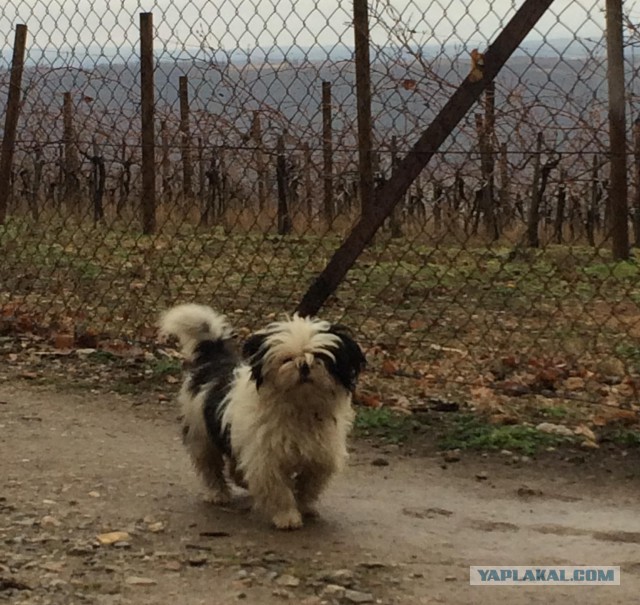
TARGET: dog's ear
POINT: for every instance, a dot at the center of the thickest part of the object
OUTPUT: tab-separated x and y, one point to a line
350	359
253	351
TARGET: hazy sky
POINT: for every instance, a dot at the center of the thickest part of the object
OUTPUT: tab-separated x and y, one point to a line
234	24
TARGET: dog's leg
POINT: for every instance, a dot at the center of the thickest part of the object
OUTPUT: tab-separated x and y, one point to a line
212	470
236	474
309	485
209	463
272	493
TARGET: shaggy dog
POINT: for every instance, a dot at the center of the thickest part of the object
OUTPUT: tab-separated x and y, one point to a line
280	415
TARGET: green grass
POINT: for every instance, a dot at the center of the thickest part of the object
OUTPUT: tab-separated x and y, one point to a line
555	412
166	366
392	427
625	437
471	432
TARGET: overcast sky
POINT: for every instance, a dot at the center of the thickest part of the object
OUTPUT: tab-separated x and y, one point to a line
242	24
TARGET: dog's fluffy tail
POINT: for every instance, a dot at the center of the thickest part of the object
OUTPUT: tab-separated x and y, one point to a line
193	324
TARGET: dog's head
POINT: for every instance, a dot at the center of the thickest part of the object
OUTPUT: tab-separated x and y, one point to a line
304	353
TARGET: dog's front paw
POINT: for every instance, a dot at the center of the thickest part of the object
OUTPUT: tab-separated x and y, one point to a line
287	519
218	496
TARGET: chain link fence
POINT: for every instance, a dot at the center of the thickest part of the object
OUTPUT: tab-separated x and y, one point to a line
493	272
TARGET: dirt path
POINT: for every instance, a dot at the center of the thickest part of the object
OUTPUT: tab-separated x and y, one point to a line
75	466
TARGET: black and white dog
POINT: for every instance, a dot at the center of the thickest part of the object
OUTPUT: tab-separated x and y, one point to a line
280	417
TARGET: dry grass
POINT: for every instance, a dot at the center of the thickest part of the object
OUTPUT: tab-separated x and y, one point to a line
478	324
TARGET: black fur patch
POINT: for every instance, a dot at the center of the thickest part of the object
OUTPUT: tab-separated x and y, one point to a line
349	358
212	369
254	353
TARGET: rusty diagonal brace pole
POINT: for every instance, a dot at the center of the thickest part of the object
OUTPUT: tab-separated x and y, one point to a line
389	193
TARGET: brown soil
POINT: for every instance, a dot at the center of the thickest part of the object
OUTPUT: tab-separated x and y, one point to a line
403	530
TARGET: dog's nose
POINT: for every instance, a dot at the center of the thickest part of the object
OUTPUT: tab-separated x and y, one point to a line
304	369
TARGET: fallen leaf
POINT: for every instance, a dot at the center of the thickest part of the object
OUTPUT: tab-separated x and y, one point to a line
389	367
138	581
156	527
63	341
368	400
112	537
585	431
612	415
574	383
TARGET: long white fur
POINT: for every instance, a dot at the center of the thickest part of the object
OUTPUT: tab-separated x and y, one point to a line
280	438
192	324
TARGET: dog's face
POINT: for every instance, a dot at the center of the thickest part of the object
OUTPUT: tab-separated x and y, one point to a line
304	353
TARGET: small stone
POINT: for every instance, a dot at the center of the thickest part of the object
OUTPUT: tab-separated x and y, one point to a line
333	591
242	574
450	578
80	550
525	491
94	494
380	462
451	455
355	596
50	521
241	595
172	566
372	564
287	580
341	577
139	581
282	593
554	429
197	561
482	476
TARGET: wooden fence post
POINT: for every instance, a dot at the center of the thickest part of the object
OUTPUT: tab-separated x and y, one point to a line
256	135
618	194
327	155
165	161
394	218
636	172
71	159
11	118
308	188
363	92
98	181
284	218
148	201
187	168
